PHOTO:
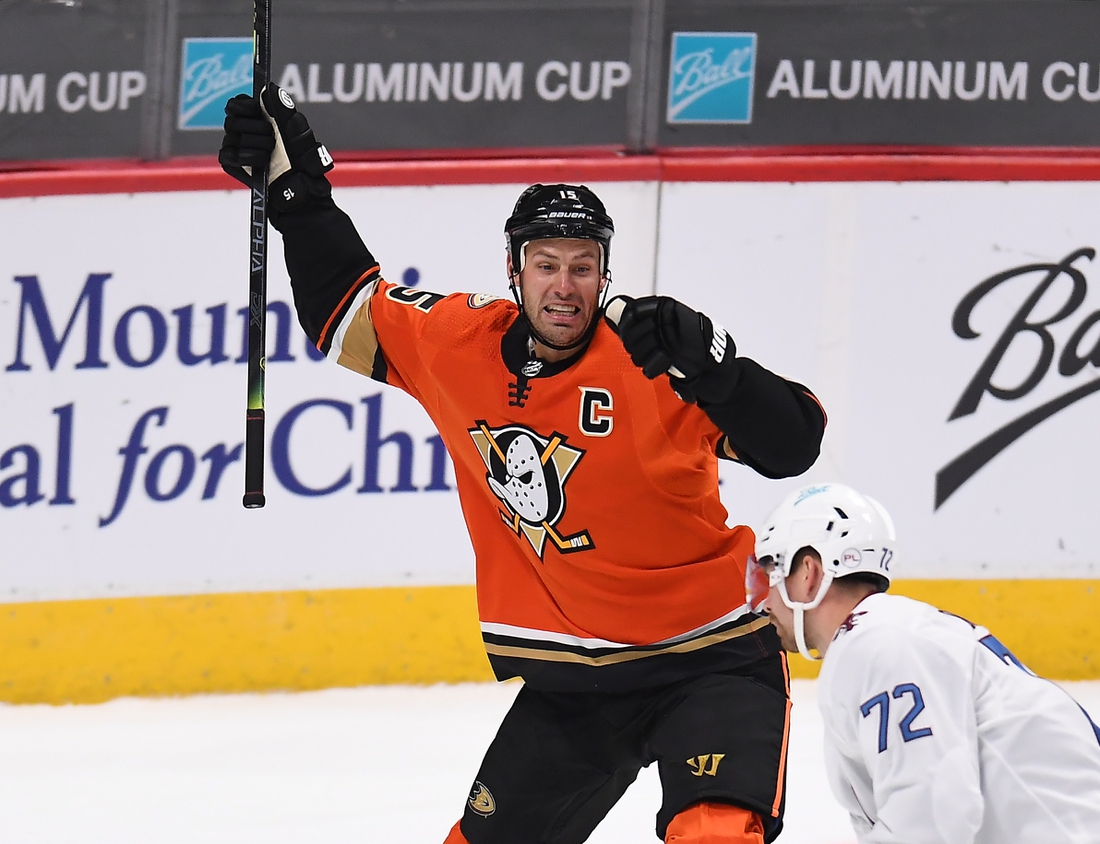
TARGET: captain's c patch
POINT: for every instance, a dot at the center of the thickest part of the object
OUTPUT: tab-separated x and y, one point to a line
595	414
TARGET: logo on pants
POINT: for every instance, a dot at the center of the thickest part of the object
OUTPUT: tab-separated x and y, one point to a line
705	764
711	77
481	801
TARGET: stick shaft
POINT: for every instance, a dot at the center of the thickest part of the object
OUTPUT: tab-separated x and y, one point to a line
257	278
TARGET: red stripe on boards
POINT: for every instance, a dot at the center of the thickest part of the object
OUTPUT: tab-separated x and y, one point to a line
786	165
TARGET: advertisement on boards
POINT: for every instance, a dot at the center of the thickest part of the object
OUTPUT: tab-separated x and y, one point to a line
73	79
123	388
952	333
121	80
213	71
99	79
423	75
987	74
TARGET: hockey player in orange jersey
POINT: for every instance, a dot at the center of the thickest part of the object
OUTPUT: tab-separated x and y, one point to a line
585	435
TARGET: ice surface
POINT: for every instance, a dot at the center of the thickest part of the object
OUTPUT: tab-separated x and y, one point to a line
378	764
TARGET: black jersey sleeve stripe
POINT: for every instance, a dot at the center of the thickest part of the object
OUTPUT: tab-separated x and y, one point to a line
324	342
325	258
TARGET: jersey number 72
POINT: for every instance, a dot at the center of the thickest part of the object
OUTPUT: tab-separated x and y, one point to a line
882	701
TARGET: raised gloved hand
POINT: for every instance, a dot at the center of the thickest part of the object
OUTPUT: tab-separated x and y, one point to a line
280	135
663	335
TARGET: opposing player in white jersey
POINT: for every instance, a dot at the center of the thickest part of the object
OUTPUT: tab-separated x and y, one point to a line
934	731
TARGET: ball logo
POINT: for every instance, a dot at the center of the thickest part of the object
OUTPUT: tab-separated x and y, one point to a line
711	77
1057	292
213	71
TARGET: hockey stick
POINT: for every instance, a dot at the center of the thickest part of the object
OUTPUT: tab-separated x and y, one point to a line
257	277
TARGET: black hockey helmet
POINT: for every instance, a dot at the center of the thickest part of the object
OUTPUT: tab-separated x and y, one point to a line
550	211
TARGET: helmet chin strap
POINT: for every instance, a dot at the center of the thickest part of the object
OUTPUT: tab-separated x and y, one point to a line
798	608
800	631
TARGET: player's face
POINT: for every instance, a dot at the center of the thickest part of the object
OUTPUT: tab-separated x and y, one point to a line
561	287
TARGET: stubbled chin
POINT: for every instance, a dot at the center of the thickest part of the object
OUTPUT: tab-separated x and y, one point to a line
786	638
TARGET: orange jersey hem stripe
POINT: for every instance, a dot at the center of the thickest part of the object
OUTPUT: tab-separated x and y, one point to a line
614	659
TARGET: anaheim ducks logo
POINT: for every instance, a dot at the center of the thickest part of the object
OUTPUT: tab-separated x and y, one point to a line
481	801
527	472
480	300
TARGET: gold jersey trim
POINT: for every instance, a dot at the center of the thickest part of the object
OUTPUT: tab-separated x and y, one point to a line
631	656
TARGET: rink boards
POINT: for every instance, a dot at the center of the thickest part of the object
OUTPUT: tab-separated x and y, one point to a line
951	329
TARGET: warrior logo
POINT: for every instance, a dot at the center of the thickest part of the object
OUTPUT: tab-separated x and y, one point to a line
527	473
705	764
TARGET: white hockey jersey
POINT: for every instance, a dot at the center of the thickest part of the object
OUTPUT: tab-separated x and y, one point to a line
935	734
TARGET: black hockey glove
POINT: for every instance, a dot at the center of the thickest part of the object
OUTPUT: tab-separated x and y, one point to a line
280	135
664	335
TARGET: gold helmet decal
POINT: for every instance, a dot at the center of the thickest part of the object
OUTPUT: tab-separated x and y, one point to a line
481	801
528	472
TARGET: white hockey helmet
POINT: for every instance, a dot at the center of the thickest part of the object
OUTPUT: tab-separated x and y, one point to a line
850	532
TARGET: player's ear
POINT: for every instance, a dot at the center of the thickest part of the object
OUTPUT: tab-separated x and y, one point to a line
802	564
813	569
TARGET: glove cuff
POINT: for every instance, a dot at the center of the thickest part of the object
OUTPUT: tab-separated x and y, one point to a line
294	189
713	386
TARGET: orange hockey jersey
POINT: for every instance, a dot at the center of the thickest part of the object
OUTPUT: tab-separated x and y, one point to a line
590	493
